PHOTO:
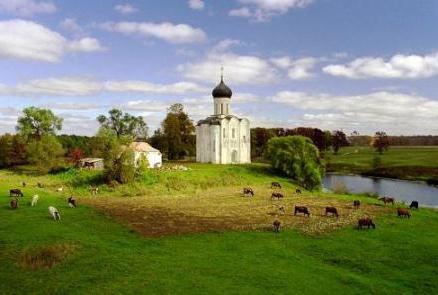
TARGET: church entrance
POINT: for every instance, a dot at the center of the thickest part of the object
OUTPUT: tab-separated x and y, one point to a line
234	157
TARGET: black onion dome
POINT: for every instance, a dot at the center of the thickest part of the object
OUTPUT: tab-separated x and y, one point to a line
222	90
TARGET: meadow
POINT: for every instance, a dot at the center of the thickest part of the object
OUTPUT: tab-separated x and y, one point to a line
412	163
193	232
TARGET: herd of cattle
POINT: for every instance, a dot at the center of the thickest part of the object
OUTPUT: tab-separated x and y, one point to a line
247	191
364	222
16	194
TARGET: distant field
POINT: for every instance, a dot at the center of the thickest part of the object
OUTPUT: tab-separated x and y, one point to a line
399	162
185	232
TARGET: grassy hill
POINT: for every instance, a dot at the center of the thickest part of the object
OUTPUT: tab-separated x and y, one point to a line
419	163
104	246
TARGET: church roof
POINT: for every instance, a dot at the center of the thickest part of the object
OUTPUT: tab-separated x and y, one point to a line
222	90
216	120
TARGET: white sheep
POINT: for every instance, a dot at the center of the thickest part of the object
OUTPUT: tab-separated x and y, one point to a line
59	190
54	213
34	200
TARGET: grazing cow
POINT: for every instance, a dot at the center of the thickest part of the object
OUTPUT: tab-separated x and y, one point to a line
332	210
276	226
248	192
387	200
365	221
403	212
15	192
414	204
282	210
14	203
60	189
277	195
40	185
23	184
298	191
94	190
356	204
72	202
302	209
54	213
275	185
34	200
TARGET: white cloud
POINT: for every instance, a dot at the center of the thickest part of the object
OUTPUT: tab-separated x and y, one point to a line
28	40
263	10
86	44
298	69
74	86
397	67
169	32
26	7
71	25
152	88
239	69
396	113
125	8
196	4
226	44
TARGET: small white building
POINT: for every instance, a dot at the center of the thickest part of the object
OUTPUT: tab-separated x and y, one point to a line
153	155
223	138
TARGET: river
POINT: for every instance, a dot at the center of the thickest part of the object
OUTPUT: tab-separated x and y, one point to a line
401	190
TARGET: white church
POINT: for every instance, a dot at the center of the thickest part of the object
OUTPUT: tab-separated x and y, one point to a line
223	138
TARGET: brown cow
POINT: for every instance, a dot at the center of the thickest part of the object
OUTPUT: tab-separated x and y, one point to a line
365	221
332	210
277	195
302	209
14	203
247	191
15	192
403	212
356	204
387	200
275	185
276	226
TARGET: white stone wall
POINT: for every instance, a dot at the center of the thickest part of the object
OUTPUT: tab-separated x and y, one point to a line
154	158
216	143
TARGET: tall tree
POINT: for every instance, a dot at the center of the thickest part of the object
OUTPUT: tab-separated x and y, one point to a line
339	139
46	154
36	122
179	131
298	158
380	142
124	124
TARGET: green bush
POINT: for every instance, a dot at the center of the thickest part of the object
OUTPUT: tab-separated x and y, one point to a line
298	158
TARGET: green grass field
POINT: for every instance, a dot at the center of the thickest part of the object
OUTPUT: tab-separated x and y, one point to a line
420	163
98	255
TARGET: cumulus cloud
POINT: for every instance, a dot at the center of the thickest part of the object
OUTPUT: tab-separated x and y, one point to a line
397	67
196	4
28	40
26	7
264	10
169	32
70	24
125	8
298	69
394	112
240	69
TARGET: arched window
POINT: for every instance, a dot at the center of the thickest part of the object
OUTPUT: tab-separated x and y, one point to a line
222	108
233	134
224	132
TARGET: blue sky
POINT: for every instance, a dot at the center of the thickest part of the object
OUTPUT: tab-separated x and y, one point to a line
363	65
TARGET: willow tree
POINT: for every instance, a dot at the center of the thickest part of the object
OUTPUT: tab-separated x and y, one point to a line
298	158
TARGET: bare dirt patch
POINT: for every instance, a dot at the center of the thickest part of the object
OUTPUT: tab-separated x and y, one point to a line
226	209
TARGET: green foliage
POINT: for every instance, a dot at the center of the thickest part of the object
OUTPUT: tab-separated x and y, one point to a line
178	131
380	142
46	154
339	139
124	124
37	122
298	158
377	162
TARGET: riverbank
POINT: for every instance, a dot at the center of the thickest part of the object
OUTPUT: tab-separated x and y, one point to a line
409	163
